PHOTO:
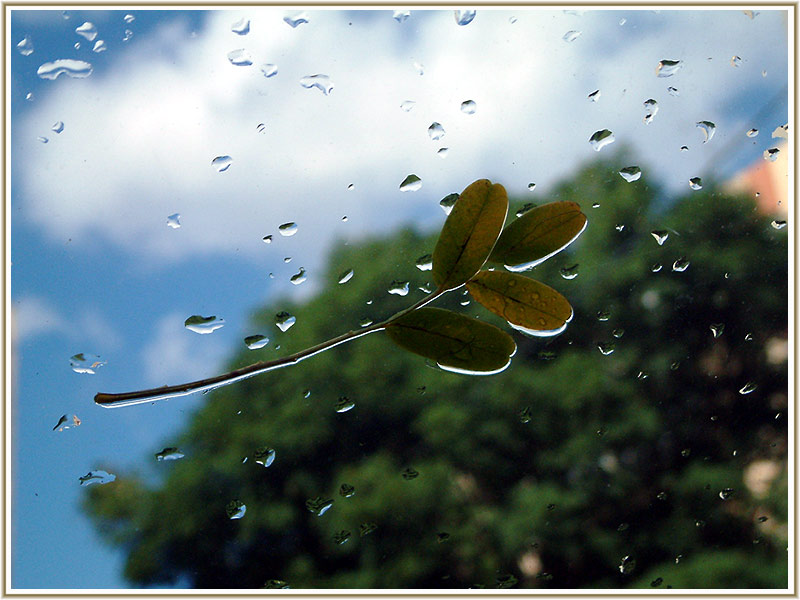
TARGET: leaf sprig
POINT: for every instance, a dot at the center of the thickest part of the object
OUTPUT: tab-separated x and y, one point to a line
472	236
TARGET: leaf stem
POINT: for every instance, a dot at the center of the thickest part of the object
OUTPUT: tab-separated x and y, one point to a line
107	400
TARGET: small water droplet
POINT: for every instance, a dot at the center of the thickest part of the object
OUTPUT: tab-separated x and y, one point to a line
87	30
525	208
752	133
65	66
85	363
67	422
241	27
748	337
267	239
619	227
269	70
668	68
169	454
174	221
25	46
100	477
594	96
696	183
295	19
419	67
603	315
407	105
341	537
709	129
571	36
569	272
778	224
641	375
284	320
240	58
660	236
651	106
264	456
411	184
469	107
367	528
447	203
29	97
298	277
736	61
630	174
684	148
525	415
673	91
726	493
346	276
276	584
255	342
401	15
399	288
203	325
436	131
129	18
347	491
464	16
235	509
128	35
772	154
99	46
622	21
512	20
221	163
600	139
42	139
343	404
763	519
686	452
365	322
661	496
606	348
319	506
425	262
442	152
680	265
410	473
656	582
618	332
717	329
287	229
322	82
748	388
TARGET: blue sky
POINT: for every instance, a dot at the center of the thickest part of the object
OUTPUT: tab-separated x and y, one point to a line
96	269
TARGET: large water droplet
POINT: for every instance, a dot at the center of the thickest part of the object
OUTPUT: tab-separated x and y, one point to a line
298	277
594	96
287	229
284	320
696	183
571	36
346	276
265	456
464	16
399	288
99	46
569	272
235	509
651	106
469	107
222	163
771	154
748	388
85	363
169	454
66	66
600	139
630	174
101	477
660	236
319	506
781	132
668	68
425	262
344	404
411	184
87	30
680	265
436	131
296	19
401	15
717	329
322	82
67	422
25	46
203	325
241	27
174	221
269	70
407	105
240	58
708	128
254	342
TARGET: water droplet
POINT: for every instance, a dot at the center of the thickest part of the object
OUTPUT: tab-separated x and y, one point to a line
622	21
512	20
267	239
656	582
660	236
343	404
347	491
442	152
525	208
464	17
42	139
235	509
425	263
717	329
67	422
25	46
627	565
763	519
346	276
66	66
128	35
87	30
296	19
399	288
367	528
748	388
401	15
407	105
726	493
255	342
778	224
287	229
284	320
569	272
99	46
571	36
410	473
269	70
203	325
411	184
594	96
365	322
661	496
319	506
265	456
708	130
736	61
771	155
241	27
169	454
101	477
129	18
436	131
29	97
85	363
603	315
630	174
525	415
781	132
618	332
505	581
606	348
696	183
469	107
600	139
341	537
240	58
174	221
298	277
619	227
222	163
651	106
306	393
419	67
684	148
752	133
680	265
276	584
668	68
322	82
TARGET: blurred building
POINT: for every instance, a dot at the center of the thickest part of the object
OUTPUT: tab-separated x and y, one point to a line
767	180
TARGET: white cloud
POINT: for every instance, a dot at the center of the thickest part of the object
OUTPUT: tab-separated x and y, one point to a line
139	139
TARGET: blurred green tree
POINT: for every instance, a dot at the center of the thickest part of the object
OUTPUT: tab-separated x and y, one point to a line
618	454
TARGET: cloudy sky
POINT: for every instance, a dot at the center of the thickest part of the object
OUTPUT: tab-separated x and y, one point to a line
96	268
